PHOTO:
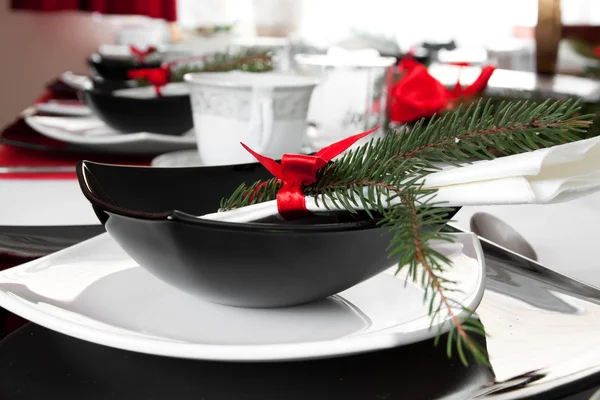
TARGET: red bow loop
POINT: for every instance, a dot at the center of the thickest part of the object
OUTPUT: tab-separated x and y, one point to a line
140	55
298	170
417	94
157	77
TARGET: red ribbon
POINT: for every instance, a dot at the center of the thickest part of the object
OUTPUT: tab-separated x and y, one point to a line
417	94
157	77
298	170
141	55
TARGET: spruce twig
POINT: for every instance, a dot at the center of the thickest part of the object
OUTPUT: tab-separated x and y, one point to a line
250	60
394	167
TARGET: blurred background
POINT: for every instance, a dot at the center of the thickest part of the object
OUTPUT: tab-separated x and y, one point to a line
41	39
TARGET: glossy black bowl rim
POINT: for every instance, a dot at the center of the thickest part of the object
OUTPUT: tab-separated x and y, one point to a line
97	58
176	216
98	79
110	93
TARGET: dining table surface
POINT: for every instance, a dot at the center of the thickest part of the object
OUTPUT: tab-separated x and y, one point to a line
35	361
555	354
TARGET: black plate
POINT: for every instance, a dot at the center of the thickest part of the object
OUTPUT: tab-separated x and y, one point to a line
167	115
116	69
151	213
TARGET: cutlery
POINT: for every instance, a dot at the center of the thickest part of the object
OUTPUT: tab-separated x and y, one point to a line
488	226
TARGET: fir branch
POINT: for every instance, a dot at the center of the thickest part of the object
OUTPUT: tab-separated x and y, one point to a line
393	167
250	60
433	265
512	127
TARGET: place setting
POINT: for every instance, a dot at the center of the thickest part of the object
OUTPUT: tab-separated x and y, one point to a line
266	220
248	260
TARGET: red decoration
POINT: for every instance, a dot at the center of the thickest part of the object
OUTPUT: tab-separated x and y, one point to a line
417	94
140	55
298	170
461	63
157	77
596	51
162	9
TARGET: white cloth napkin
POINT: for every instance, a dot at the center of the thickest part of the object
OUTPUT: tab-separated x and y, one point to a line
551	175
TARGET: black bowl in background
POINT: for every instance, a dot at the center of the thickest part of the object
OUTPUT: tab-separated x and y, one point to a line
167	115
115	69
151	213
110	85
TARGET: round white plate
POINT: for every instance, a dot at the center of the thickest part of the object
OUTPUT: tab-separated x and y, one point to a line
95	292
93	133
182	158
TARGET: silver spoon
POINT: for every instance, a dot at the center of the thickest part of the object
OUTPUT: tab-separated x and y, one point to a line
499	232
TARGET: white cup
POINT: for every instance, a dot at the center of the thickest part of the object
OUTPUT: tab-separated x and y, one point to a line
352	95
265	111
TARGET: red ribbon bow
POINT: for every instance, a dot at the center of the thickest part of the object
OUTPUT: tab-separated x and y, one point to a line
298	170
141	55
417	94
157	77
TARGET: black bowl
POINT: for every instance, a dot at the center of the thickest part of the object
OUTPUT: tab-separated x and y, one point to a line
115	69
167	115
110	85
151	213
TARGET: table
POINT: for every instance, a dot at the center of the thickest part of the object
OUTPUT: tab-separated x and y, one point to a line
44	202
36	362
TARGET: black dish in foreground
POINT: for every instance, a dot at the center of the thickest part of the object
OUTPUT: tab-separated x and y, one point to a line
151	213
117	69
524	301
167	115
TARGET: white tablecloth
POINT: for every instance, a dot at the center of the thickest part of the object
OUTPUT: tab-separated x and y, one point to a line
44	202
563	235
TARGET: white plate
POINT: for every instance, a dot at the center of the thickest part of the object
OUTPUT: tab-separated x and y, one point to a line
92	133
95	292
504	80
181	158
74	109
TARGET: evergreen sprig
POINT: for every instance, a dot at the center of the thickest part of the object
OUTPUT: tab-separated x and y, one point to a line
393	167
248	60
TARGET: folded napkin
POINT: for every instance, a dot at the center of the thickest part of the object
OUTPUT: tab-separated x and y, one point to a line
557	174
552	175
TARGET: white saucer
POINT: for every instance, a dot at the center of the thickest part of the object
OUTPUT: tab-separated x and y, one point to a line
181	158
95	292
92	133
